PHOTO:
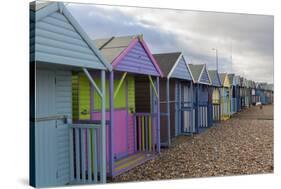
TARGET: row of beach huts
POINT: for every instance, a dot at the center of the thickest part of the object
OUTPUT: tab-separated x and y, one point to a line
100	107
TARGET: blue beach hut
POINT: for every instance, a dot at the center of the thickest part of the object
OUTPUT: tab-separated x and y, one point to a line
215	95
176	97
202	101
58	46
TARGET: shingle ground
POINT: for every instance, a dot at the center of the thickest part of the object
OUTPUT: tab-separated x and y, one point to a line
241	145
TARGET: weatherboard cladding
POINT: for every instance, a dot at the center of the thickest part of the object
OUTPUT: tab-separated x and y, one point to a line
222	78
231	77
53	39
204	77
196	70
181	71
215	78
137	61
167	61
236	81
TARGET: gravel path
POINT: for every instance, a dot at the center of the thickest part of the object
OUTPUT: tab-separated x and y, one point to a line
234	147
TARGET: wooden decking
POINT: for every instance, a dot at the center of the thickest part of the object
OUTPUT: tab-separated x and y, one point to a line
130	162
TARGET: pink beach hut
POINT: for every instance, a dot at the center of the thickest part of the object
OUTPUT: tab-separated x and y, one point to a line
133	136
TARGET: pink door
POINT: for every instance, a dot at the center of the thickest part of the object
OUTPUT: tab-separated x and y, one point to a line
123	137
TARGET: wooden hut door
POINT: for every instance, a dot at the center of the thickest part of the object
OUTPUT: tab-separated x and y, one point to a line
188	125
48	127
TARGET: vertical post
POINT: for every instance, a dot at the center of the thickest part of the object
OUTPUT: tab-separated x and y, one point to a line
210	107
89	162
229	102
219	116
71	133
222	103
111	110
103	130
77	154
158	113
92	100
197	109
127	114
180	111
168	109
146	132
192	107
176	106
135	133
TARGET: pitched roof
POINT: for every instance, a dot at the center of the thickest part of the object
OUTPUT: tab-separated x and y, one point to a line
166	61
231	77
45	9
222	77
37	5
213	75
237	80
112	47
196	70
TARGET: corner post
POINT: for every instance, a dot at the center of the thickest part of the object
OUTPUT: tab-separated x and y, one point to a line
197	108
111	110
103	129
179	110
192	108
176	106
168	109
158	114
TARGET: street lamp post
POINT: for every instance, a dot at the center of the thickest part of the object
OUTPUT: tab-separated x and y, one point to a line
217	61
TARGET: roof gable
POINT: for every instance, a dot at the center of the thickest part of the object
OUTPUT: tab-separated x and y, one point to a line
236	80
231	78
214	75
204	76
224	79
112	47
181	70
57	38
196	70
167	61
173	65
137	61
200	74
129	54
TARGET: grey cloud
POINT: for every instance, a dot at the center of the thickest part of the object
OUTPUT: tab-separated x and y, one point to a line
192	32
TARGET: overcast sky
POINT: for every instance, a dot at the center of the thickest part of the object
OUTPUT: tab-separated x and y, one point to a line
248	38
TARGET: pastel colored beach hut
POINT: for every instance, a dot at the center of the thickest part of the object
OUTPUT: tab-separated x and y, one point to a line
242	92
232	96
225	96
58	46
236	92
260	93
202	82
254	98
176	97
133	132
247	93
215	92
270	93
